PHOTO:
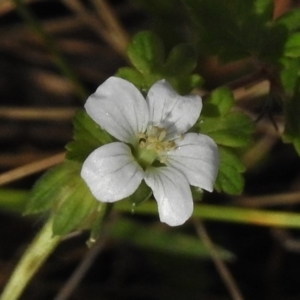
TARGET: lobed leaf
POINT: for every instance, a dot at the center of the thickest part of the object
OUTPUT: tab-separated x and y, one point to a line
219	102
289	74
227	128
87	137
146	52
229	178
292	45
181	60
290	20
232	130
133	76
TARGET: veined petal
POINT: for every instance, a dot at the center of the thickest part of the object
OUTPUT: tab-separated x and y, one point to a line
196	156
175	113
119	108
111	172
172	193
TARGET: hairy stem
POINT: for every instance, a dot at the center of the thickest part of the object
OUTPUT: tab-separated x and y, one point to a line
39	250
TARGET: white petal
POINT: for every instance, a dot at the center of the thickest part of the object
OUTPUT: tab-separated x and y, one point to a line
177	114
196	155
119	108
172	193
111	172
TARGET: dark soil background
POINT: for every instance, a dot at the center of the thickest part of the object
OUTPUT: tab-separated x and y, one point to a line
37	104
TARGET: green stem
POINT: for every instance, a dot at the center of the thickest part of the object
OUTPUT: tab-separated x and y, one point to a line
13	200
59	60
204	211
39	250
227	214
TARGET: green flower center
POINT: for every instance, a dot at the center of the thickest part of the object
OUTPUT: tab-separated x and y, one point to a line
152	145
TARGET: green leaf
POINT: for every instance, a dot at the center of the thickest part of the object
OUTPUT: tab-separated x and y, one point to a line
292	121
228	129
219	103
74	211
147	56
181	60
289	74
272	44
290	20
134	76
142	81
232	129
63	191
170	242
211	16
184	84
53	186
87	137
237	29
229	178
296	142
264	8
146	52
292	46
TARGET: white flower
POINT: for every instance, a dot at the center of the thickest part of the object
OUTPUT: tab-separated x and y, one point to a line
152	145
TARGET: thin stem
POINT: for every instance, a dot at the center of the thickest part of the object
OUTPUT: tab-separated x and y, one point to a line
218	213
13	200
227	214
220	265
81	270
52	48
39	250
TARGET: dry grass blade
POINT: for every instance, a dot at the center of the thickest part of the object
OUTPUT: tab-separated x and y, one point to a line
31	168
111	37
117	32
34	114
269	200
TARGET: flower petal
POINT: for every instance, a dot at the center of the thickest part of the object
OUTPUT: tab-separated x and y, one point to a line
196	156
175	113
111	172
172	193
119	108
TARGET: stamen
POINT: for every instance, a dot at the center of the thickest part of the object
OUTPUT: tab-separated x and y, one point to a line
154	140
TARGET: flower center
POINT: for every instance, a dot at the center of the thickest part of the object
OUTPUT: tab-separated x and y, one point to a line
152	145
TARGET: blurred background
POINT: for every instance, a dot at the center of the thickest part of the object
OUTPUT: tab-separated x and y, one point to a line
53	54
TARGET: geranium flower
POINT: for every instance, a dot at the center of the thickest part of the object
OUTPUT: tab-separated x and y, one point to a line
152	145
